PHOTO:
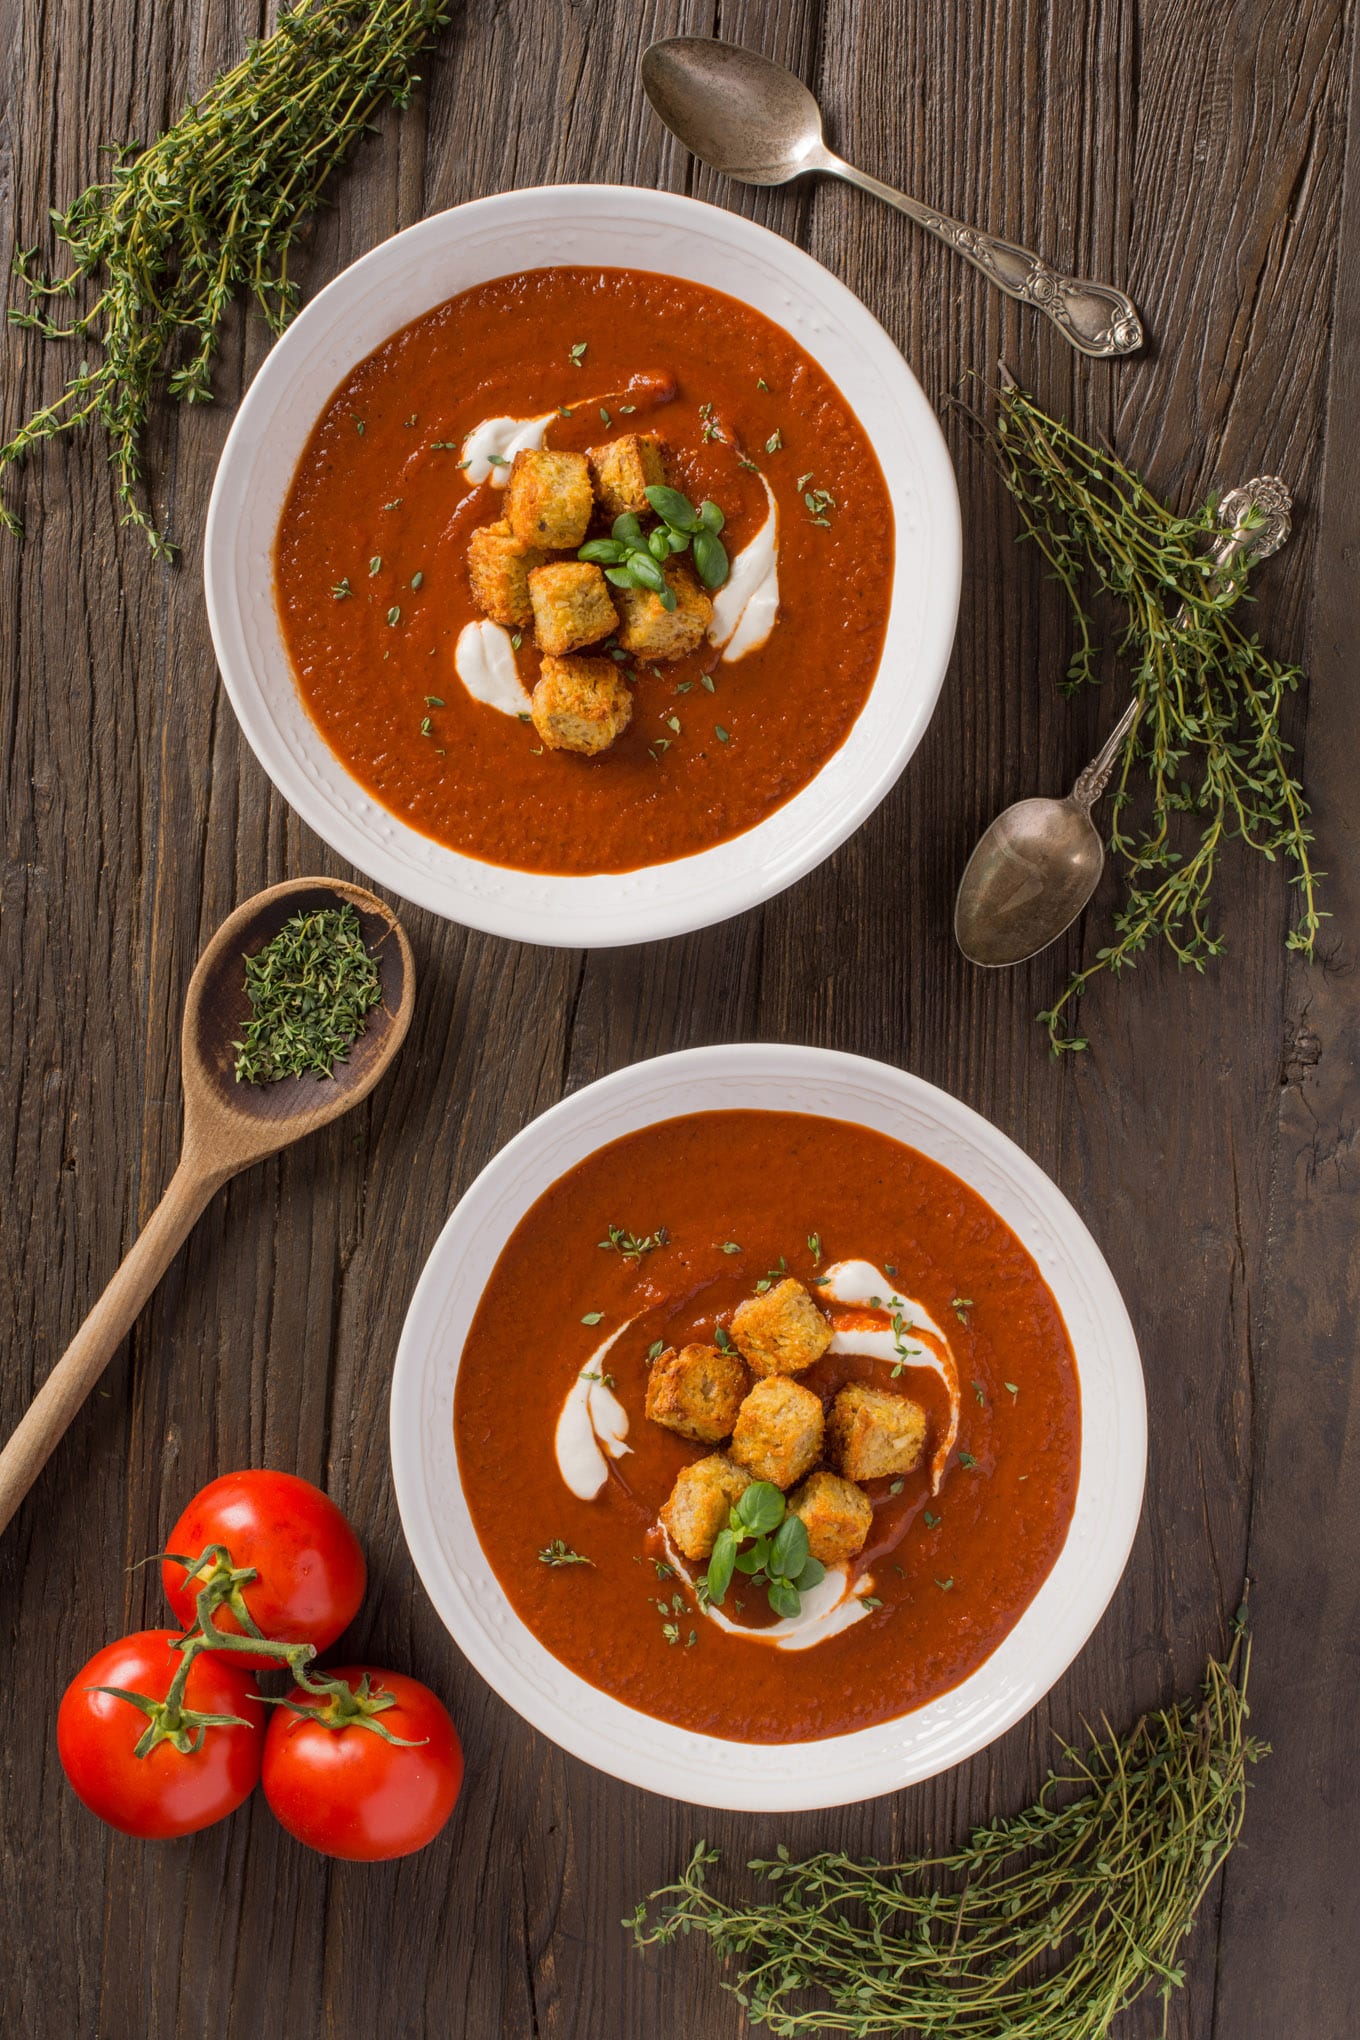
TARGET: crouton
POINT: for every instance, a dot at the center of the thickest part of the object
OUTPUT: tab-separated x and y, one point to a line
870	1433
580	704
836	1515
549	500
624	470
651	631
778	1432
701	1501
781	1332
499	568
571	606
696	1392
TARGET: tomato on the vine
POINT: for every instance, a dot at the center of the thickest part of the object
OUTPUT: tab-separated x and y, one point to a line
310	1568
192	1772
365	1779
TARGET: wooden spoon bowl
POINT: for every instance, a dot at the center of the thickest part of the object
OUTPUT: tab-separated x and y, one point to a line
227	1126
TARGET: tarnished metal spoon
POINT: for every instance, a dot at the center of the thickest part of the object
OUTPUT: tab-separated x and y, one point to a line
753	120
1038	864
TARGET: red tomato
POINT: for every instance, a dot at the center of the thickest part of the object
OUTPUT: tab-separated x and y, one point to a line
346	1792
166	1792
311	1569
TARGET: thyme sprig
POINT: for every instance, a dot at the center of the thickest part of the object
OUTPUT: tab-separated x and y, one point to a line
1042	1926
1206	761
310	990
211	208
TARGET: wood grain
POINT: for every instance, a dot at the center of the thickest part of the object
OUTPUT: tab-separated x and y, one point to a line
1199	159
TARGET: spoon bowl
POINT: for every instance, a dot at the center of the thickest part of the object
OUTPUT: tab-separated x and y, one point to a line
1027	880
250	1121
736	111
227	1126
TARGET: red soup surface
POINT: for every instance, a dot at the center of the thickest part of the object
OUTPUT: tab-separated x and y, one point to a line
372	585
740	1197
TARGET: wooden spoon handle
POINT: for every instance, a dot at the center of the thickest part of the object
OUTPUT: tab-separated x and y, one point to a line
94	1345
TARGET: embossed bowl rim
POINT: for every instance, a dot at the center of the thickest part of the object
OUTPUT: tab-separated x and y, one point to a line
621	227
632	1745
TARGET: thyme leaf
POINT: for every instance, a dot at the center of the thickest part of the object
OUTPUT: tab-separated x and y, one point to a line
310	989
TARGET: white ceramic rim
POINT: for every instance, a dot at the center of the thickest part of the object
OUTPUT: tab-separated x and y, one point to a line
618	226
618	1739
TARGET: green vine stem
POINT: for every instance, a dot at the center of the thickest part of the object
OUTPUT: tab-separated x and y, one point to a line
211	209
1206	761
1041	1927
337	1707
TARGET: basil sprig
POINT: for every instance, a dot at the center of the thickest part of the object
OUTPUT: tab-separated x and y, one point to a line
767	1544
633	558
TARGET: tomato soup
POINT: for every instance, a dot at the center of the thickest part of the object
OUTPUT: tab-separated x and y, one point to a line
372	585
655	1242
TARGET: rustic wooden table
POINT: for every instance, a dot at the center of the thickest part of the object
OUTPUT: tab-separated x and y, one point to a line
1205	156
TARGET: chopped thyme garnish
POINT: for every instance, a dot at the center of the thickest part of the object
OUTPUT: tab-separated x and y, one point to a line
980	1392
817	502
731	1247
424	726
945	1585
1010	1388
374	564
707	682
592	1317
578	353
775	441
605	417
395	504
310	990
961	1305
434	701
416	580
967	1459
721	734
656	1349
393	616
632	1245
558	1553
358	424
929	1520
815	1246
342	589
721	1339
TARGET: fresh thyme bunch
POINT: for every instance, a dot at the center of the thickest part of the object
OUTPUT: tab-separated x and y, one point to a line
211	208
1042	1927
1207	742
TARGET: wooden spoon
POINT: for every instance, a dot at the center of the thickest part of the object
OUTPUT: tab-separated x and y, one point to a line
227	1126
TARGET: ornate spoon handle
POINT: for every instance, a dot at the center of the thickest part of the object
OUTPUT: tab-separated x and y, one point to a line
1256	524
1094	317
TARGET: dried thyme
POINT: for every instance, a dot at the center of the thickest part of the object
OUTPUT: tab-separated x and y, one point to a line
310	990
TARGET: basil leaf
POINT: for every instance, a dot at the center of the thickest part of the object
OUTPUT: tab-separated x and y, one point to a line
603	550
789	1551
676	541
761	1506
710	559
753	1559
673	508
628	529
659	545
710	516
646	572
812	1575
785	1600
622	577
720	1565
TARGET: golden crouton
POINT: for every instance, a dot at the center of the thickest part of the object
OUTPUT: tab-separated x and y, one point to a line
580	704
571	606
778	1432
701	1501
870	1433
624	470
836	1515
548	499
781	1332
696	1392
499	568
651	631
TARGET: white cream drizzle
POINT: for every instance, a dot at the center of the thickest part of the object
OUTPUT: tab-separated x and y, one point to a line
835	1604
484	660
746	607
860	1285
503	437
592	1422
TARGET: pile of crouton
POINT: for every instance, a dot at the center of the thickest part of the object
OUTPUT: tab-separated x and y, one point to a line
581	702
777	1428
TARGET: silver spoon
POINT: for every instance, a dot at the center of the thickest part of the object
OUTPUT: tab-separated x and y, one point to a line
753	120
1038	864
